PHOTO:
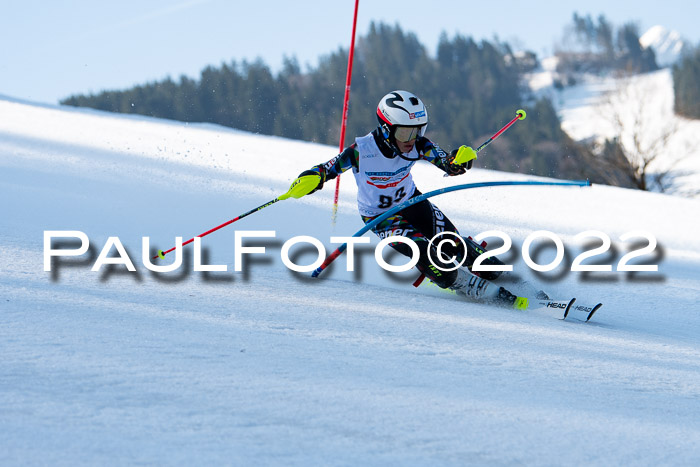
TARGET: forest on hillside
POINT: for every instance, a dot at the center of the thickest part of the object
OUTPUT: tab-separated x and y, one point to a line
470	88
686	84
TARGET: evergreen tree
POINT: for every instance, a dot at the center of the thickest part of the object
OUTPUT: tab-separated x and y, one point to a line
634	58
597	50
686	84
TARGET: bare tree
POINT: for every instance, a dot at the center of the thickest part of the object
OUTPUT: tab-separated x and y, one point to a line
636	151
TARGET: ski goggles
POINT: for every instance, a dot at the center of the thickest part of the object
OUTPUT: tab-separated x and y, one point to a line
404	134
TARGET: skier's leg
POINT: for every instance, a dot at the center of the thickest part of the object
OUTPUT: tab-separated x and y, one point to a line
420	223
430	221
427	219
438	269
434	267
474	250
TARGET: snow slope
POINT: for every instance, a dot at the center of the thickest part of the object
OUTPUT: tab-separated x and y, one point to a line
638	110
266	366
644	105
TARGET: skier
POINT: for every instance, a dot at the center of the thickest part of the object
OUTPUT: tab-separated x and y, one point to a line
381	162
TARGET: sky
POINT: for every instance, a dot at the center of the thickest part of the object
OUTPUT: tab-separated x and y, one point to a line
52	50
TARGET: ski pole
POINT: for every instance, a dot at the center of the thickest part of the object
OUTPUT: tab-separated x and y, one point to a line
519	115
298	189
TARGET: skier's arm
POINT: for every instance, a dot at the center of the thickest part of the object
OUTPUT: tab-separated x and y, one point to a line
329	170
456	162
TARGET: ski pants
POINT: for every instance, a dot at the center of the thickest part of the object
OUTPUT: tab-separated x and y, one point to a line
421	222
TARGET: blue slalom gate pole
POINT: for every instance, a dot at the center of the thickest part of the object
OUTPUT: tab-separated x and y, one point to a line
338	251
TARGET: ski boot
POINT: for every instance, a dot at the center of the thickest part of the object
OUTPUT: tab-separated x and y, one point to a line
474	250
477	288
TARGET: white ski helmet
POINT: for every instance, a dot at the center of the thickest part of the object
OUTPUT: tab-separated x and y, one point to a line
401	111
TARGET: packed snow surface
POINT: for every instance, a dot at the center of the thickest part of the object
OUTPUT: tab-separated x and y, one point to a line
266	366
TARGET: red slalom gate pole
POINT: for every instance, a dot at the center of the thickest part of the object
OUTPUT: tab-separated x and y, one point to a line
346	101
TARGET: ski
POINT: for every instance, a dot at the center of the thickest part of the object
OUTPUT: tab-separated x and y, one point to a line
560	309
567	306
590	310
